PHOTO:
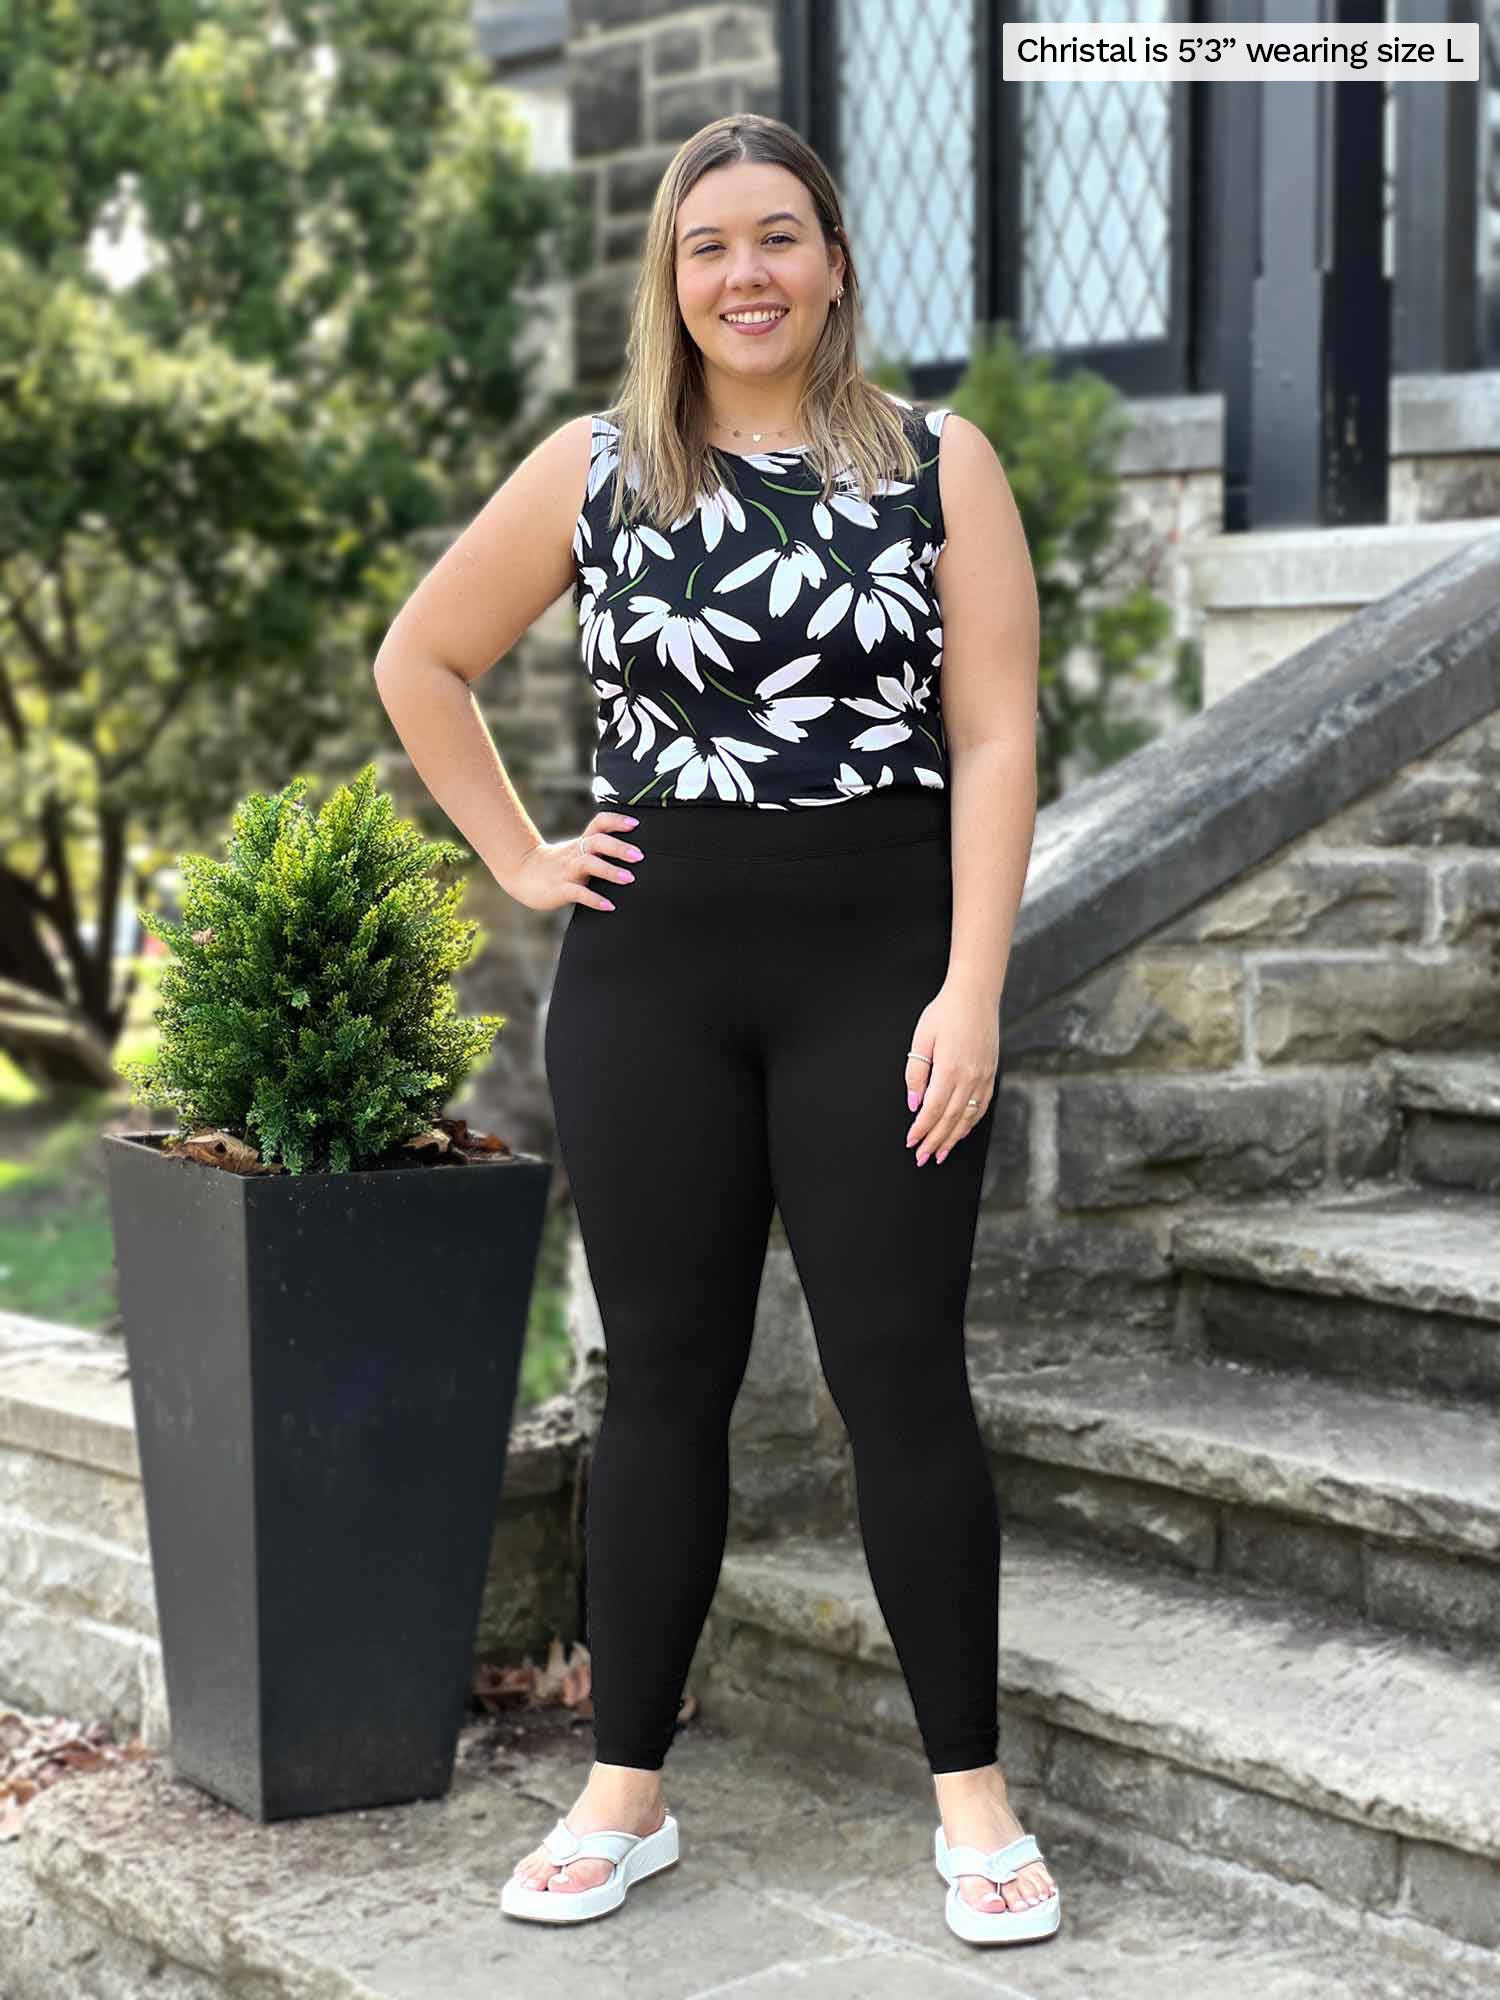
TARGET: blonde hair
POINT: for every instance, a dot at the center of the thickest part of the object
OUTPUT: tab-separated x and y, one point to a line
851	426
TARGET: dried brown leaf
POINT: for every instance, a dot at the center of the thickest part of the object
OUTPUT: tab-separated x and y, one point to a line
224	1149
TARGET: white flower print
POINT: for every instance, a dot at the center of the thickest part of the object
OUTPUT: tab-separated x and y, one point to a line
887	596
633	717
604	456
783	714
850	506
631	544
719	766
883	486
713	510
597	620
772	461
795	566
680	638
850	785
902	698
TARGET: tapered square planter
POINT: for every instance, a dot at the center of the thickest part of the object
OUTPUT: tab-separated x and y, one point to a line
323	1368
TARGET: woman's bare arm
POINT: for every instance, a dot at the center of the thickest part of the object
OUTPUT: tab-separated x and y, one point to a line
508	566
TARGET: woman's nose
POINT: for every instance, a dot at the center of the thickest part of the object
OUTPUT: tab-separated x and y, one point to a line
747	273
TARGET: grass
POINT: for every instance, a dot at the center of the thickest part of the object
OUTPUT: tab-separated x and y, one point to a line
56	1249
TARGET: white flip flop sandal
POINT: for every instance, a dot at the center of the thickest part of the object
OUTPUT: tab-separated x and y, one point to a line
634	1855
1000	1864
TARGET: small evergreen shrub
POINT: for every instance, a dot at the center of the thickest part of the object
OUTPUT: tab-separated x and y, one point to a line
309	1009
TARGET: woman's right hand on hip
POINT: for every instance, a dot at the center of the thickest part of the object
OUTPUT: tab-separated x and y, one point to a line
559	871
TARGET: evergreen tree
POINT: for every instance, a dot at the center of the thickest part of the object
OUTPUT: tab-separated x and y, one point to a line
310	1008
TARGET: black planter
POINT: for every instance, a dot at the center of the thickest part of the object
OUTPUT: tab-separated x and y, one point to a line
323	1368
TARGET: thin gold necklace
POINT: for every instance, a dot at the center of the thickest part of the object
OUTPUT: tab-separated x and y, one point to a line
755	436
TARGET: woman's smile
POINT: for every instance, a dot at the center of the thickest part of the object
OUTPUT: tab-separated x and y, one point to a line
755	319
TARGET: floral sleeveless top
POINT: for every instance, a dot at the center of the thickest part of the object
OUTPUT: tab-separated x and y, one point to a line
765	649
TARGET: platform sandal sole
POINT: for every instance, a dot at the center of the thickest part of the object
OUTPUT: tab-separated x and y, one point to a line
1000	1865
650	1853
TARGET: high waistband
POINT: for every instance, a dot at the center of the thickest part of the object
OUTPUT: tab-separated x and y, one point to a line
714	828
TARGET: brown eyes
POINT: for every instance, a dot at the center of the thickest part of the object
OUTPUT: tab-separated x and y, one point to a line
780	236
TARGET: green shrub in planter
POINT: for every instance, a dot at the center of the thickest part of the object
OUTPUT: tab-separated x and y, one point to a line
310	1009
325	1339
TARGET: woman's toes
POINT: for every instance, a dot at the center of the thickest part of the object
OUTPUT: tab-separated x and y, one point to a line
979	1891
579	1875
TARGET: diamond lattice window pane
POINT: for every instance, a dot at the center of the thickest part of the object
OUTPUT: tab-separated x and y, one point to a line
1096	196
905	108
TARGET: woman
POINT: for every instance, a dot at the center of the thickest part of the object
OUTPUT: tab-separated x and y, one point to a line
771	559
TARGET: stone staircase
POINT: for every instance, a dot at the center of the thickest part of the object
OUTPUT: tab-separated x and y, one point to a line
1233	1320
1250	1582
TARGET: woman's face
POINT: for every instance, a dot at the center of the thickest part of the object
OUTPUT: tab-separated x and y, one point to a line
748	238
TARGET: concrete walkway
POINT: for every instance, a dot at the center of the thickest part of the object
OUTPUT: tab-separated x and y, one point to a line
128	1882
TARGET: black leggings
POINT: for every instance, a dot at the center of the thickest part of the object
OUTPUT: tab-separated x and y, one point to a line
733	1037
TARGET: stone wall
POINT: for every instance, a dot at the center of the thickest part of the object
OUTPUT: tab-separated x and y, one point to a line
1234	1053
645	75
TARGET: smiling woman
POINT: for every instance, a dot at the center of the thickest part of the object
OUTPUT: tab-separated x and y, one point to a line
795	591
740	331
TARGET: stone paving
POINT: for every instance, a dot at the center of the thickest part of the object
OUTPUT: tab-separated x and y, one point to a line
128	1883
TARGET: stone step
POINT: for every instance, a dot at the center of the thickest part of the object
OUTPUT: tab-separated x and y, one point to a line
1305	1749
1452	1107
1467	1086
71	1573
68	1664
1397	1289
62	1494
793	1879
1299	1485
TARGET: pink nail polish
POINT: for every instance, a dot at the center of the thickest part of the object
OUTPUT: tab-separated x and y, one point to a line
912	1100
942	1156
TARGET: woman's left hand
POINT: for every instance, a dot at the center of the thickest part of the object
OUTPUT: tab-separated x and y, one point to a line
959	1029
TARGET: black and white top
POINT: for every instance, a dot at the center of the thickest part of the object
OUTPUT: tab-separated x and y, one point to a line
765	649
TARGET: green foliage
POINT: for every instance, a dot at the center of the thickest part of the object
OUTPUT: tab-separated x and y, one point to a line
309	1008
1058	439
270	278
